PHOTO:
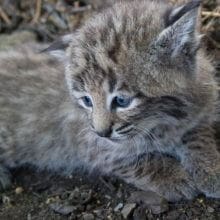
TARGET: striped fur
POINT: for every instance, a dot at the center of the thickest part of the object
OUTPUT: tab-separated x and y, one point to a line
143	51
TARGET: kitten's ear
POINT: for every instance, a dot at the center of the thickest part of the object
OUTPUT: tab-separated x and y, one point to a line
58	47
173	14
180	40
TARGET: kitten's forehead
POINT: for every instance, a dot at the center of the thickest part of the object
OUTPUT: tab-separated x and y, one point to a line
114	45
119	33
102	82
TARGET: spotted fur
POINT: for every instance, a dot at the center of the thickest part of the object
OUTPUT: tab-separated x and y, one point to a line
142	53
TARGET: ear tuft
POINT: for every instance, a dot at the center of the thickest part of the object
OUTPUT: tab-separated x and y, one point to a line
58	47
174	14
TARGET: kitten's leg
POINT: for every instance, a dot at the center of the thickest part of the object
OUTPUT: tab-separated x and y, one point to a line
201	159
161	174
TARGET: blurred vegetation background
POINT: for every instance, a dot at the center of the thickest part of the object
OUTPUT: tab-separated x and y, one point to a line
48	19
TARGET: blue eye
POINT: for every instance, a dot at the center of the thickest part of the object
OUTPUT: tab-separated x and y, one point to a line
121	101
87	101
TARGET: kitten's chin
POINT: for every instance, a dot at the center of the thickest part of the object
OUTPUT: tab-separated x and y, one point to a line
121	139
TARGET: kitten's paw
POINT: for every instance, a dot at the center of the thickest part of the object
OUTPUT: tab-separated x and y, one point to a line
209	183
5	178
180	190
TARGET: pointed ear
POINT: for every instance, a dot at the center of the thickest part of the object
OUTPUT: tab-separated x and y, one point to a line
173	14
58	47
179	41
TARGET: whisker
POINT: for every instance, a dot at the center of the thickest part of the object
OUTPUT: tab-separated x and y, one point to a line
153	139
82	131
137	146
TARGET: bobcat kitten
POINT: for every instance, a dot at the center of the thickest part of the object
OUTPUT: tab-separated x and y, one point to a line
141	106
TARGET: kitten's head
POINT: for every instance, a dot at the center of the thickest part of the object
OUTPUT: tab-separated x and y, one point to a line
135	67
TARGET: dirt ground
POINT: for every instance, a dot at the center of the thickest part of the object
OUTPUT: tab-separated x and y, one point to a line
45	196
39	196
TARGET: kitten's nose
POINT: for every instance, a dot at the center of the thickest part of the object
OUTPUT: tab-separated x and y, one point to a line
105	133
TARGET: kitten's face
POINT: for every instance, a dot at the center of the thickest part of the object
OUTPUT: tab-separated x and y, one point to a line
110	106
117	109
132	71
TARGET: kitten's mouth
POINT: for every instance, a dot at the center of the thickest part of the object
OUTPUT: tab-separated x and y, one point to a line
117	139
114	139
122	138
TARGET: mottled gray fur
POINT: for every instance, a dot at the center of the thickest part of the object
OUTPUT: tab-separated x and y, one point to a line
162	141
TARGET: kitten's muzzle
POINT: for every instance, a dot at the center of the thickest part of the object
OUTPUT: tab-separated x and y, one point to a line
105	133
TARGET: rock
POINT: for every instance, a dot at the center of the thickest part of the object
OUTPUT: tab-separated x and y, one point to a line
200	200
183	216
158	209
29	216
19	190
153	201
88	216
86	197
62	209
108	197
6	200
98	213
139	213
174	215
210	209
77	197
128	209
89	207
118	207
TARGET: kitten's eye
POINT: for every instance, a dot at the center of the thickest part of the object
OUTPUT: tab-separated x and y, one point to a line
121	101
87	101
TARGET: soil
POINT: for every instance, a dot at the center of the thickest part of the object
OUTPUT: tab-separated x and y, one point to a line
40	195
45	196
